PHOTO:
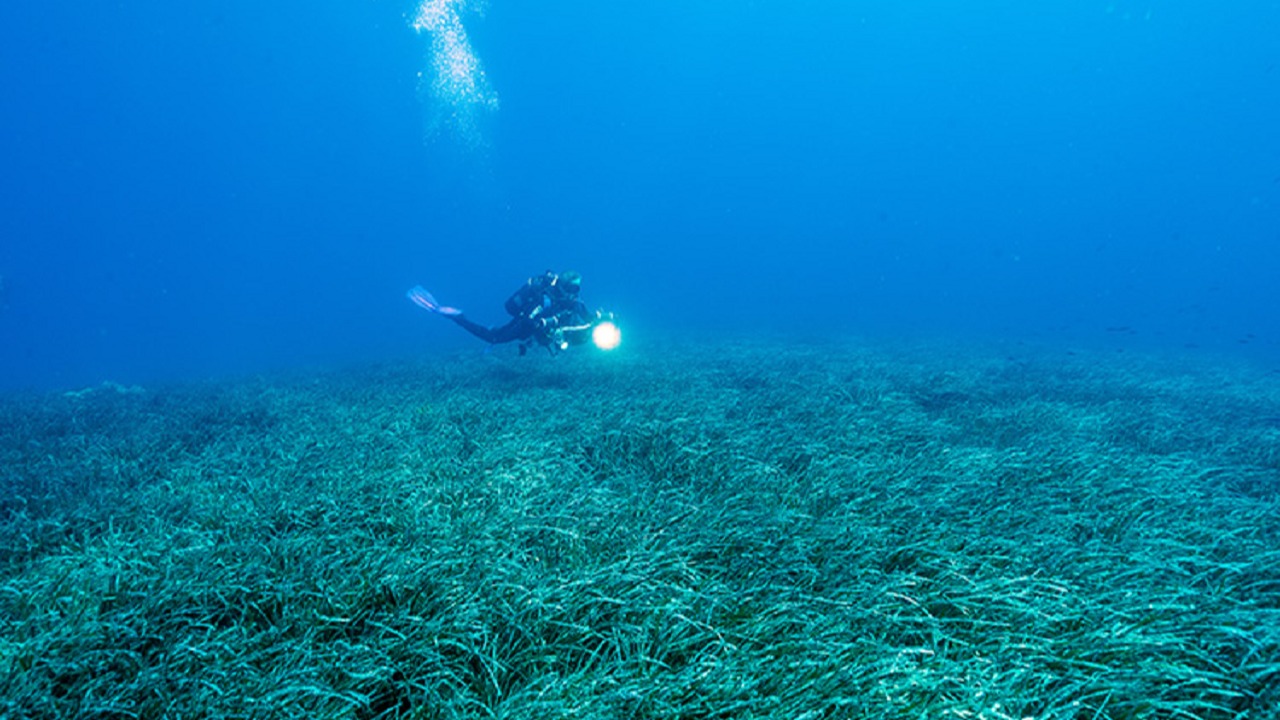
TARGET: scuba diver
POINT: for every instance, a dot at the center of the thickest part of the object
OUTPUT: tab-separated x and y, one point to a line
545	311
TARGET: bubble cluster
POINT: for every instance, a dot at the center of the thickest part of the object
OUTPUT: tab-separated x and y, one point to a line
453	86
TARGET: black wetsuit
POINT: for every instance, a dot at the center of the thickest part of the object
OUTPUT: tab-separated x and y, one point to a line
541	311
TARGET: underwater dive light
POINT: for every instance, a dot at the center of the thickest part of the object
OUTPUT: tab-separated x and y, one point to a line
606	335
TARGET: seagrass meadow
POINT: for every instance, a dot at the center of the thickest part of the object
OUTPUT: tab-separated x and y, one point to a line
746	530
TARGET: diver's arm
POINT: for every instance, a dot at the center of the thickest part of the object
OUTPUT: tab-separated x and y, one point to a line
576	325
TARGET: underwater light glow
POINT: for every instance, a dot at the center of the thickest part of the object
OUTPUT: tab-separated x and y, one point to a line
606	336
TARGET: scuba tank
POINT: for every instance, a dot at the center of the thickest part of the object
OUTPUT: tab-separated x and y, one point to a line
529	297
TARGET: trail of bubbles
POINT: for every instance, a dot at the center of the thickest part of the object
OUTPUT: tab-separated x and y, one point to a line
453	86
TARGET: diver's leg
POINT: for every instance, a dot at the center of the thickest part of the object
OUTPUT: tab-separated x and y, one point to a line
484	333
518	329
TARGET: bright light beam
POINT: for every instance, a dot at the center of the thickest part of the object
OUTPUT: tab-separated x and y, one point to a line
606	335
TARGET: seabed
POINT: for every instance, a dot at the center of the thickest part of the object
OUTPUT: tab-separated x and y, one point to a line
744	530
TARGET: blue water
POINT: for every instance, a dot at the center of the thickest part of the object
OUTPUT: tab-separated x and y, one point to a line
192	190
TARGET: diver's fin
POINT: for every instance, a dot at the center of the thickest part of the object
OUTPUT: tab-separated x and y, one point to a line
419	296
